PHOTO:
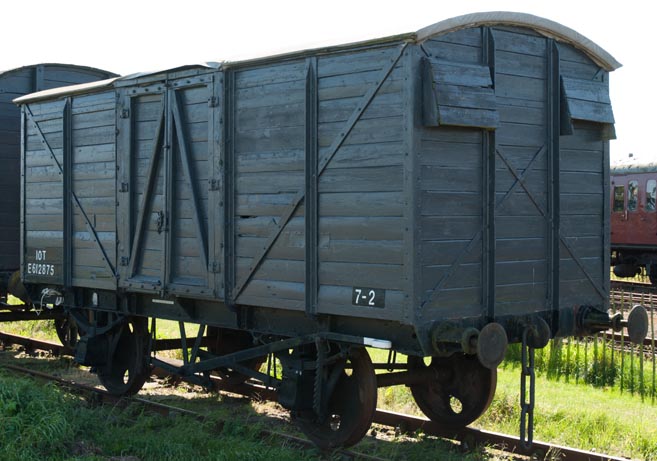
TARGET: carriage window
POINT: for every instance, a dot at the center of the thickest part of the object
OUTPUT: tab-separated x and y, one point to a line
632	195
651	194
619	198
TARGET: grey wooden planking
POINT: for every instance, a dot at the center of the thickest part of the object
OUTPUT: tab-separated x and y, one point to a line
86	183
399	207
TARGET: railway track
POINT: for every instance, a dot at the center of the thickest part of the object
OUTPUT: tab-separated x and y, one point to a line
468	437
633	292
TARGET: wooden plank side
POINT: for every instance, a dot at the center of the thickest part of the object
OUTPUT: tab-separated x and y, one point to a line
19	82
463	45
359	204
512	62
446	252
57	75
361	228
467	275
94	120
575	204
517	249
356	85
448	228
375	252
518	87
450	203
581	182
353	62
460	116
449	179
584	71
273	289
277	94
521	135
519	41
525	113
339	110
349	156
94	154
586	90
467	97
461	74
584	161
371	179
455	135
270	137
453	303
520	204
381	130
590	111
449	154
535	179
578	292
282	115
271	74
82	103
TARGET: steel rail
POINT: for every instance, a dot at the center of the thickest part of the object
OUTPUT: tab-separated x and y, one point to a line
472	437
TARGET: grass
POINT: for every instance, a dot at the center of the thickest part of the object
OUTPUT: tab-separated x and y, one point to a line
591	417
596	362
40	422
580	415
599	419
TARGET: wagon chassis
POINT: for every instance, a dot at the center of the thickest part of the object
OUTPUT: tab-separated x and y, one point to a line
468	437
326	379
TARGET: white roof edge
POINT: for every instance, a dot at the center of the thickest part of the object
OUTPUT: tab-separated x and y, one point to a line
543	26
70	89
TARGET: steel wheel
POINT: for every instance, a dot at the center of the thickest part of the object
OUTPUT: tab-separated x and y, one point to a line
127	369
225	341
67	331
350	407
461	397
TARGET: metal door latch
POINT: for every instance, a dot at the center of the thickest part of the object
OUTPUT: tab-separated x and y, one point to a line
161	221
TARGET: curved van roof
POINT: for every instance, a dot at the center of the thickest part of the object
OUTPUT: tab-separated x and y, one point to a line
542	26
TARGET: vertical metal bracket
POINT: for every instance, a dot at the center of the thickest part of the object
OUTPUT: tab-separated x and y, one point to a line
311	202
67	193
488	190
527	399
553	190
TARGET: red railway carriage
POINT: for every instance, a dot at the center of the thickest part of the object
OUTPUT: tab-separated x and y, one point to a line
634	219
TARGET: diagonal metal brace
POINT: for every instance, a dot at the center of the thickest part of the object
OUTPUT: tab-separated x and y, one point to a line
322	164
76	200
147	192
520	179
433	294
189	172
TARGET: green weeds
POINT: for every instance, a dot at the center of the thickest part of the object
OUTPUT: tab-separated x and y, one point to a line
41	422
596	362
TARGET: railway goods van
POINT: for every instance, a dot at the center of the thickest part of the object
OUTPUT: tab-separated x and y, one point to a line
438	194
15	83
